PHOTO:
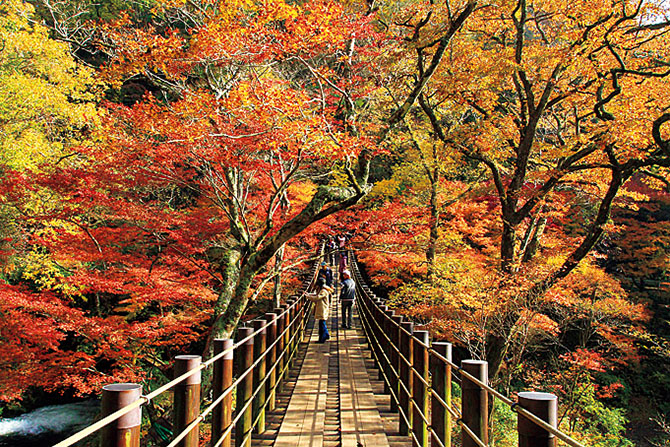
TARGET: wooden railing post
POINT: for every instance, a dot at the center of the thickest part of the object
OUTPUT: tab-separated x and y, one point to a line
245	388
406	376
388	349
441	383
125	431
394	333
420	389
187	399
260	346
222	379
474	404
290	323
544	406
281	345
271	360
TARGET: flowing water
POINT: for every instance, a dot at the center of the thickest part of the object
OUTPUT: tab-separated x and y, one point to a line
47	425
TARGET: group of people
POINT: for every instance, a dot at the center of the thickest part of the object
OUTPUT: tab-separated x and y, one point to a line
323	294
336	250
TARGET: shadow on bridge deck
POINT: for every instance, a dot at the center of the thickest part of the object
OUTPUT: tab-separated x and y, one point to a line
334	401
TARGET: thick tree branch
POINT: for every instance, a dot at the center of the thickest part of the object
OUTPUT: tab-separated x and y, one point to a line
664	145
341	199
421	82
593	235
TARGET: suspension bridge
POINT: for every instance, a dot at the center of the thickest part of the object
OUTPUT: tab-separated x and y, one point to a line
380	384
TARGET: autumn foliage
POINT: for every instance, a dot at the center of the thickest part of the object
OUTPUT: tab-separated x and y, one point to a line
161	223
504	166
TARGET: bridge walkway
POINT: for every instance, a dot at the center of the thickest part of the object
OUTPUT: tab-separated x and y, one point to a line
334	402
327	393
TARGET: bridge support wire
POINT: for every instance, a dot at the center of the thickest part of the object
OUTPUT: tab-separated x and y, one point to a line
535	414
291	322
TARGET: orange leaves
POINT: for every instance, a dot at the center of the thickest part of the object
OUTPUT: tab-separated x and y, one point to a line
590	291
247	116
242	32
141	50
585	359
540	322
239	32
34	327
322	25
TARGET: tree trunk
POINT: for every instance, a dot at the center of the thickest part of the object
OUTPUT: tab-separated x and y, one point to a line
434	226
229	264
534	242
507	246
279	259
497	340
226	321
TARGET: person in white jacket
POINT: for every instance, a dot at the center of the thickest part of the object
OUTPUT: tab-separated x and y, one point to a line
321	297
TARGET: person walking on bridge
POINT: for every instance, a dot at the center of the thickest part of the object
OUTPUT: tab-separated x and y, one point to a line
321	298
326	273
347	298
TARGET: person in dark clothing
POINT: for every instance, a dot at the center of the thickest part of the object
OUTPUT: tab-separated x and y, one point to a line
326	273
331	251
343	262
347	298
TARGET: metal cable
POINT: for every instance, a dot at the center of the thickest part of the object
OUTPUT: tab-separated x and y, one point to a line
286	366
400	382
413	370
564	437
228	390
144	399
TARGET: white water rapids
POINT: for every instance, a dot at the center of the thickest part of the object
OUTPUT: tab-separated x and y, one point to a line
47	425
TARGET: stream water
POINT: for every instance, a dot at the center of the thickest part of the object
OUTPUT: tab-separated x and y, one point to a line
46	426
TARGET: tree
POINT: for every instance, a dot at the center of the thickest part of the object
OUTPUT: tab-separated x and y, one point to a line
59	331
236	133
260	120
45	100
563	104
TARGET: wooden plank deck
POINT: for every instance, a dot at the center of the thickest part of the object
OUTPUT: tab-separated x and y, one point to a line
334	402
360	421
304	422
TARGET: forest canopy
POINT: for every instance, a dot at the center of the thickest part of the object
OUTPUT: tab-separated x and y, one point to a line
169	166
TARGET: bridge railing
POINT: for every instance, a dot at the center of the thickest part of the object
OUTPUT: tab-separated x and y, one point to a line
254	366
418	376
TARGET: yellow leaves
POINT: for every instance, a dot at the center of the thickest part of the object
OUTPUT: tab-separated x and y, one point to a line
44	95
631	199
461	281
47	274
162	5
242	28
262	11
340	177
385	188
301	193
589	290
27	149
277	10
